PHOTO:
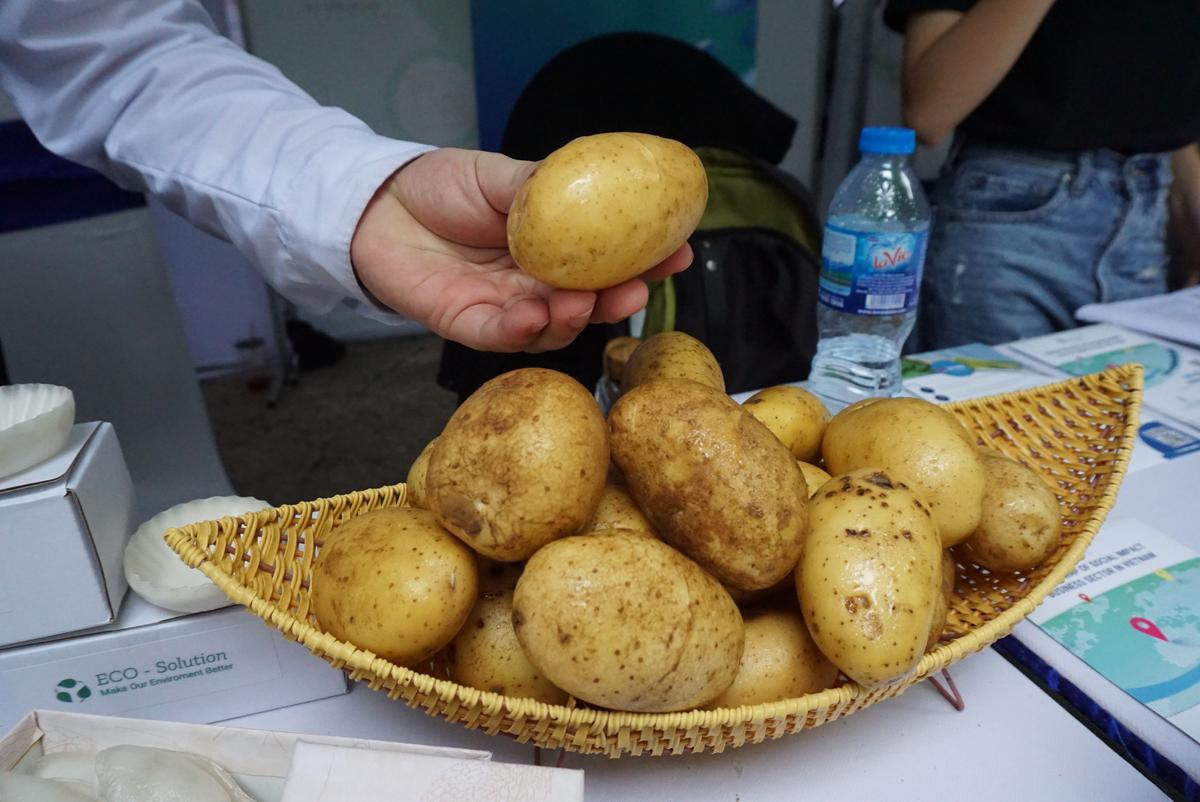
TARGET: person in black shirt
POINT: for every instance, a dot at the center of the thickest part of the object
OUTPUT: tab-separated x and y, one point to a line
1066	116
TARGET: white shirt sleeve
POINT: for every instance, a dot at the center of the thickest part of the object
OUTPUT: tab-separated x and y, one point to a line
147	92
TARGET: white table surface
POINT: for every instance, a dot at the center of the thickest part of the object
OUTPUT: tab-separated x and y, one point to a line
1167	497
1012	742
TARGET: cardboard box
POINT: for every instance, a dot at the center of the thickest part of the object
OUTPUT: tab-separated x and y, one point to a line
157	664
258	759
63	528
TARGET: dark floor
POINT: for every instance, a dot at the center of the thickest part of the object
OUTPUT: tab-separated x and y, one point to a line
355	425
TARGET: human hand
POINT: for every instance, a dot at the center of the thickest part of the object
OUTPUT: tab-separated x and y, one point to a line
432	245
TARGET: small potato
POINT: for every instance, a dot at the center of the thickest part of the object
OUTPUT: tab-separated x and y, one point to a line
520	463
672	355
616	354
394	582
415	483
624	621
1020	524
486	655
814	477
941	610
618	510
780	661
604	209
924	446
716	484
794	415
870	576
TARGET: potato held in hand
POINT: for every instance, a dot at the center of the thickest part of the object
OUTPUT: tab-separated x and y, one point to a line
716	484
624	621
523	461
604	209
1020	523
924	446
394	582
870	577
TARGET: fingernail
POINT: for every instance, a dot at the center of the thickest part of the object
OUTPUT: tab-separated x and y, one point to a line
579	321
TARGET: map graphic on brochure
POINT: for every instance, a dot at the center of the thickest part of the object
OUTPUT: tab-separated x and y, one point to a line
1131	611
1172	371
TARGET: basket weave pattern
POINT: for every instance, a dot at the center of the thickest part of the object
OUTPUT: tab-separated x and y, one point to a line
1077	433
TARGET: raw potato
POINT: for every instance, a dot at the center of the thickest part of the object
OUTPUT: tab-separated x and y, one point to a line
672	355
626	622
616	354
604	209
941	609
521	463
394	582
870	576
415	483
924	446
1020	524
814	477
794	415
716	484
486	655
618	510
780	661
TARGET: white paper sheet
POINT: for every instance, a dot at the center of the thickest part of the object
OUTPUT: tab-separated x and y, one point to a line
1175	315
322	773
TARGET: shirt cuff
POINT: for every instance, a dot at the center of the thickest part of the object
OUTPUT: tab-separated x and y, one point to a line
320	211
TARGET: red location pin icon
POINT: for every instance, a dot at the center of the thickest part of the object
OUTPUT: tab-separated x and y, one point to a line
1085	597
1147	627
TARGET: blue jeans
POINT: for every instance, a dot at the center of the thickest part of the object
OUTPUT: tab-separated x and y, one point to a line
1023	238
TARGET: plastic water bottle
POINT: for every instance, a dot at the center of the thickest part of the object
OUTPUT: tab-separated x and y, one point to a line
871	259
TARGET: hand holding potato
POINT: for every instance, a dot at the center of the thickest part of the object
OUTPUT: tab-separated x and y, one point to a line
432	245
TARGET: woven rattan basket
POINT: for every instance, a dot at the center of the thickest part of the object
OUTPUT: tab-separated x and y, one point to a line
1077	433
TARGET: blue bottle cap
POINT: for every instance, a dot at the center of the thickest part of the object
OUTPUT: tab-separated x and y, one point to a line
883	139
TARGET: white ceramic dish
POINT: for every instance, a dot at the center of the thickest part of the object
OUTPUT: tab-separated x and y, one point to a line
35	422
158	575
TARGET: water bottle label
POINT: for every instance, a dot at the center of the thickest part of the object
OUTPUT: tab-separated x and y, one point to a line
871	273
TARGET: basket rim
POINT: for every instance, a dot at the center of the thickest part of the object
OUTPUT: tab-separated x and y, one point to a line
590	720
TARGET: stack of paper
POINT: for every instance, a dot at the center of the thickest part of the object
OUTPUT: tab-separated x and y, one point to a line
1175	315
1172	371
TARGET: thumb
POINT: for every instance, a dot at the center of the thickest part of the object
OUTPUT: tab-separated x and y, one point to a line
500	177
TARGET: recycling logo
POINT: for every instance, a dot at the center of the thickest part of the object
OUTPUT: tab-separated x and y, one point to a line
71	690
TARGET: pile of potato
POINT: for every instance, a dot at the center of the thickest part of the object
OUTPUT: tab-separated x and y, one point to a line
686	552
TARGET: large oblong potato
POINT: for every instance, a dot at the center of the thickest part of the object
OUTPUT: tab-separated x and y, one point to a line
672	355
624	621
714	481
486	655
925	447
523	461
794	415
780	661
1020	525
605	208
395	582
870	577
